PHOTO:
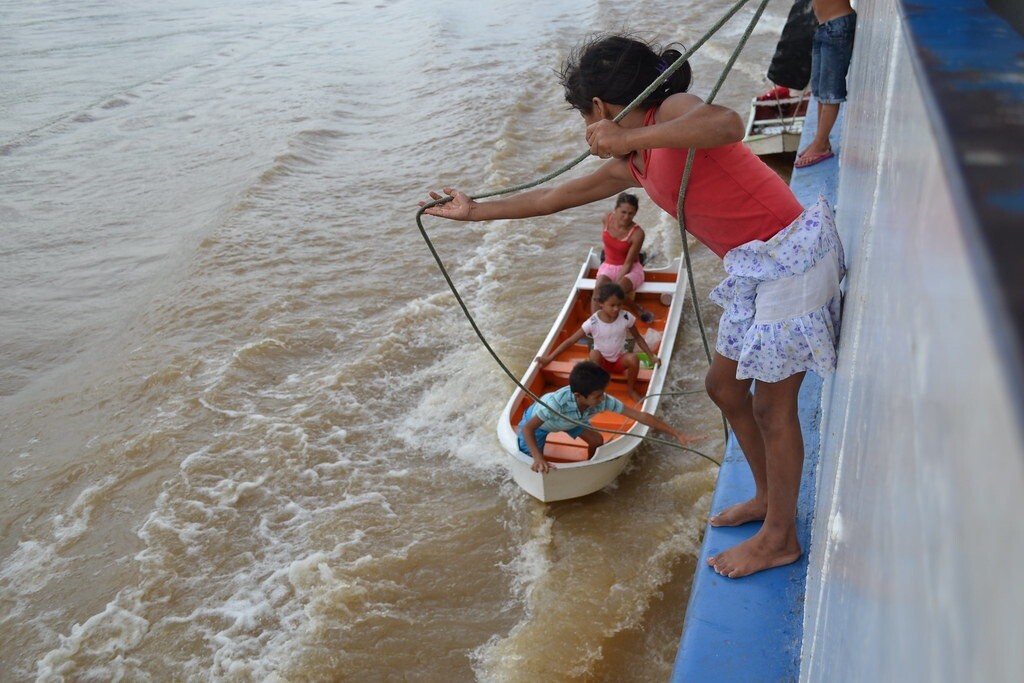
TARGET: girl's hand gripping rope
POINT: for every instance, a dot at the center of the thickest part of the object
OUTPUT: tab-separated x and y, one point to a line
608	139
458	209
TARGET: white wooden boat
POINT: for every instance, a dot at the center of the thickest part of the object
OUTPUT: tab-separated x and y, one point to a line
774	125
662	293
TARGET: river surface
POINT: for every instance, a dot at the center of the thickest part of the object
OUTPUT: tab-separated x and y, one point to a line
245	433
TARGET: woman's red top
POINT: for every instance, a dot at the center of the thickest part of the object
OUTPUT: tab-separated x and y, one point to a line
615	250
733	197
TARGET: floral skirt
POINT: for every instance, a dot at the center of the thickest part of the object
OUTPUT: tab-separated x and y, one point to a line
782	300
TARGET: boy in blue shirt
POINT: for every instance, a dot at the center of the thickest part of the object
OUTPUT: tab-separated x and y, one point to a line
581	400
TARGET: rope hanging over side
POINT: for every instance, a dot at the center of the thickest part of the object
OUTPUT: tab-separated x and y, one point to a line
679	212
684	184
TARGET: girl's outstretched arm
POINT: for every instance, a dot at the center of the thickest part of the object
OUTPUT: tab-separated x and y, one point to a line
609	179
572	339
683	121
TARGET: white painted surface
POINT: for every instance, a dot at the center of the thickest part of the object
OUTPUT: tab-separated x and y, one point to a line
918	537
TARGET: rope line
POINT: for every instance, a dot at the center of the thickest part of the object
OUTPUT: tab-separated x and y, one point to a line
685	183
672	68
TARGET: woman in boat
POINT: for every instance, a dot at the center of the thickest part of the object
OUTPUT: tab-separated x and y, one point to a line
784	263
623	239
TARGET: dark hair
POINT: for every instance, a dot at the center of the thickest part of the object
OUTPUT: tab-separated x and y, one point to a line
627	198
587	377
617	69
607	291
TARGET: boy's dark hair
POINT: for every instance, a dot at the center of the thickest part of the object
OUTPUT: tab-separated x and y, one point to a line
588	377
607	291
617	69
627	198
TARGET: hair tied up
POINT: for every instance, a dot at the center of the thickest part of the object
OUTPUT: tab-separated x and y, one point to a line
680	79
617	69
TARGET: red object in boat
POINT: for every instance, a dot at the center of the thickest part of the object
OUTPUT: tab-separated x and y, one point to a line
779	92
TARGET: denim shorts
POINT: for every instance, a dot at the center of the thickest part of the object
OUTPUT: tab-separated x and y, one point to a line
830	58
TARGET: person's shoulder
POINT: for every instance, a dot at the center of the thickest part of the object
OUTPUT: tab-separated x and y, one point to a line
592	320
676	105
560	394
628	317
552	399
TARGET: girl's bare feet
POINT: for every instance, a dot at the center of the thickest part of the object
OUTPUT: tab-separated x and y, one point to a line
752	510
764	550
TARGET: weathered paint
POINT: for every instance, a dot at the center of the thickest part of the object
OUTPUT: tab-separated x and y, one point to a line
916	538
969	62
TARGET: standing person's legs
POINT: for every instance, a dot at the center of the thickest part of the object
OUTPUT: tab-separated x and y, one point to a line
775	544
815	82
737	403
830	60
827	115
776	337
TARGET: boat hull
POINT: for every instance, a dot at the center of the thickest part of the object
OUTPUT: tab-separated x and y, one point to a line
574	478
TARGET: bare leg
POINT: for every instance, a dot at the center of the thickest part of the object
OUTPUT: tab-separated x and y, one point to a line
595	356
593	439
632	364
630	302
601	279
734	398
775	544
827	115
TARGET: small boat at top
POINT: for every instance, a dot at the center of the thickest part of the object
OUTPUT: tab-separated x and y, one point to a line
573	475
776	121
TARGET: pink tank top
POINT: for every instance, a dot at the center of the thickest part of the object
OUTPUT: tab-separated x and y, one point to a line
615	250
733	197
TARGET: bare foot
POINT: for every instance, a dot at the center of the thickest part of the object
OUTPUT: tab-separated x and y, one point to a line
752	510
815	149
762	551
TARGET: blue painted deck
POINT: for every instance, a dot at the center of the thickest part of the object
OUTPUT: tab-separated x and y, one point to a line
751	629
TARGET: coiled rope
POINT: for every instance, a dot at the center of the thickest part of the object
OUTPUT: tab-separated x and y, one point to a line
658	82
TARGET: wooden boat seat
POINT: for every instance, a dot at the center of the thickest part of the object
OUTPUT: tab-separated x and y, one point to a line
562	368
645	288
560	447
